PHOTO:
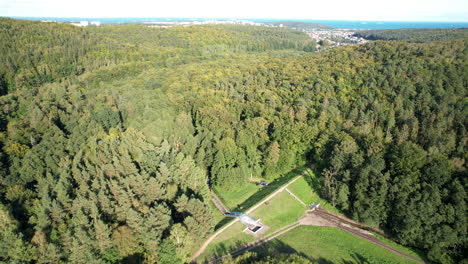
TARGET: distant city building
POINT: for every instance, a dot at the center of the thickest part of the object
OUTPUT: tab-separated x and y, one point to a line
80	24
86	23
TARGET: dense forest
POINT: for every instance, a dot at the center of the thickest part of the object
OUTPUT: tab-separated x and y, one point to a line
419	35
111	137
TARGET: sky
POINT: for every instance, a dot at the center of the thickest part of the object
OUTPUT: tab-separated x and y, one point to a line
372	10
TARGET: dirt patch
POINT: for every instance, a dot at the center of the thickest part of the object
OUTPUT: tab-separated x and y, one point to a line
322	217
315	220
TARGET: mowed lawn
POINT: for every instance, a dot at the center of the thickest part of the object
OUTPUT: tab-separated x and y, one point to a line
237	196
320	244
228	241
280	211
303	190
329	245
245	196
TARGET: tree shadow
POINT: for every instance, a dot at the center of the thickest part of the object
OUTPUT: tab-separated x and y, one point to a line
276	247
136	258
267	190
222	250
223	222
315	183
357	258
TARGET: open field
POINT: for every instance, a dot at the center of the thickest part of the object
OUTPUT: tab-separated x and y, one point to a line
280	211
302	188
329	245
249	194
322	244
237	196
245	197
276	213
412	252
231	239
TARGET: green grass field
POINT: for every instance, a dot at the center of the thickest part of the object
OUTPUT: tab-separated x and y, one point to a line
303	189
226	242
245	196
237	196
280	211
413	252
329	245
320	244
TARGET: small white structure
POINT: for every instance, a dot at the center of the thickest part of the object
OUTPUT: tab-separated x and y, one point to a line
251	224
247	220
80	24
95	23
314	207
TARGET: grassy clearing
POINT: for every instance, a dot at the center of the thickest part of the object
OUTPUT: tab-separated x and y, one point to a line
302	188
265	191
245	196
320	244
413	252
231	239
234	198
279	211
276	213
329	245
248	195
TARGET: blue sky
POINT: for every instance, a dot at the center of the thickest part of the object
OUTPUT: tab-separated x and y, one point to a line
384	10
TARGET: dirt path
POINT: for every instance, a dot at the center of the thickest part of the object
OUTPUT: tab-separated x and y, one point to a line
322	217
253	208
217	202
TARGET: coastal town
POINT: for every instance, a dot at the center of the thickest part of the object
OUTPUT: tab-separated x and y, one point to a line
326	37
336	37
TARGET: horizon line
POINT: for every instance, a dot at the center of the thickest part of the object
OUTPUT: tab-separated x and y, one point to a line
240	18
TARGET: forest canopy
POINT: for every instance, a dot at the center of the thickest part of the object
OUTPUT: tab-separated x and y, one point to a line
419	35
111	137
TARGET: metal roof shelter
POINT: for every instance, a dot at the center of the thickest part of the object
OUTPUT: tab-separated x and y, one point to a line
249	222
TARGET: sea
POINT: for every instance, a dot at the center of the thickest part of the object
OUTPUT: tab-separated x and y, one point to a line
350	24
